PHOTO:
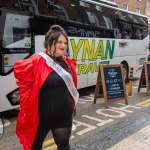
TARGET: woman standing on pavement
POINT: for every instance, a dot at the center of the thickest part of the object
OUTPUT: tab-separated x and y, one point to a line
47	84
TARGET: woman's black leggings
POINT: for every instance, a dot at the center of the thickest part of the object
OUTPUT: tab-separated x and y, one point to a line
61	137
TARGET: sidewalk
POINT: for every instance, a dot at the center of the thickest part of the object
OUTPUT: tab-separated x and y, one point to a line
138	141
131	133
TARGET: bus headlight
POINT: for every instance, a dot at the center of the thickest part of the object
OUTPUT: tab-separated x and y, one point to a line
14	97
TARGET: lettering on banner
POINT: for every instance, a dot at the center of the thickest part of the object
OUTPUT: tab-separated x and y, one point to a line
92	50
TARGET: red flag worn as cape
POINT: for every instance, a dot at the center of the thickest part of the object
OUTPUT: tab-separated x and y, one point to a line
30	75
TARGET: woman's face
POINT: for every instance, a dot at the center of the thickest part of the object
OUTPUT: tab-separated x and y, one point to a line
60	47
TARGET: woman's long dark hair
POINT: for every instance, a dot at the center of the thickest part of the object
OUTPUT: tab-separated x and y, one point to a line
52	37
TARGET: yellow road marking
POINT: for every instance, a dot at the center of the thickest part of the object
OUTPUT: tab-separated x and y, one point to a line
51	147
146	105
143	103
50	143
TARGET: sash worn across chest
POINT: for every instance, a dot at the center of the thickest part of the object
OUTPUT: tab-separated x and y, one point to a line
67	78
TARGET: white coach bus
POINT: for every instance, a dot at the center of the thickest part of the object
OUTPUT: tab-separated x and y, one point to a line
99	33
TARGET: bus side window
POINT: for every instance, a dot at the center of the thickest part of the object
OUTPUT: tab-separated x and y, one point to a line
44	7
101	24
105	16
145	31
118	33
140	28
90	13
138	33
124	25
18	5
126	35
86	13
66	10
102	19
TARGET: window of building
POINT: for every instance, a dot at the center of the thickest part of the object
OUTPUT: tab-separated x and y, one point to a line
125	6
137	11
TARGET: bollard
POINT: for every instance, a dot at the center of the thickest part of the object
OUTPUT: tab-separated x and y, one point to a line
130	81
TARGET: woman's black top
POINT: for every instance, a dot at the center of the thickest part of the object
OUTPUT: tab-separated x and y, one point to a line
55	101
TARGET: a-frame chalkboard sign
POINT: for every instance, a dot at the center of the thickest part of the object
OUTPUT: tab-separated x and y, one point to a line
145	78
110	84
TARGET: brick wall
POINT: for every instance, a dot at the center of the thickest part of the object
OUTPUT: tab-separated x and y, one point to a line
132	5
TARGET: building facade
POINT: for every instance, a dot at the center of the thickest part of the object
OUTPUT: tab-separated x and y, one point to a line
137	6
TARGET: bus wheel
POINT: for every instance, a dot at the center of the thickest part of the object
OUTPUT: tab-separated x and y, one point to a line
125	72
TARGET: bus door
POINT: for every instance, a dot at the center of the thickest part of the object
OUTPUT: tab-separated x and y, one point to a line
15	44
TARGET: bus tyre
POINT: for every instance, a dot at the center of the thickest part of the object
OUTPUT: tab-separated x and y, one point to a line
125	72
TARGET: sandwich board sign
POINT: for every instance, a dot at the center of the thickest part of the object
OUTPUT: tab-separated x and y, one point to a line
110	84
145	78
